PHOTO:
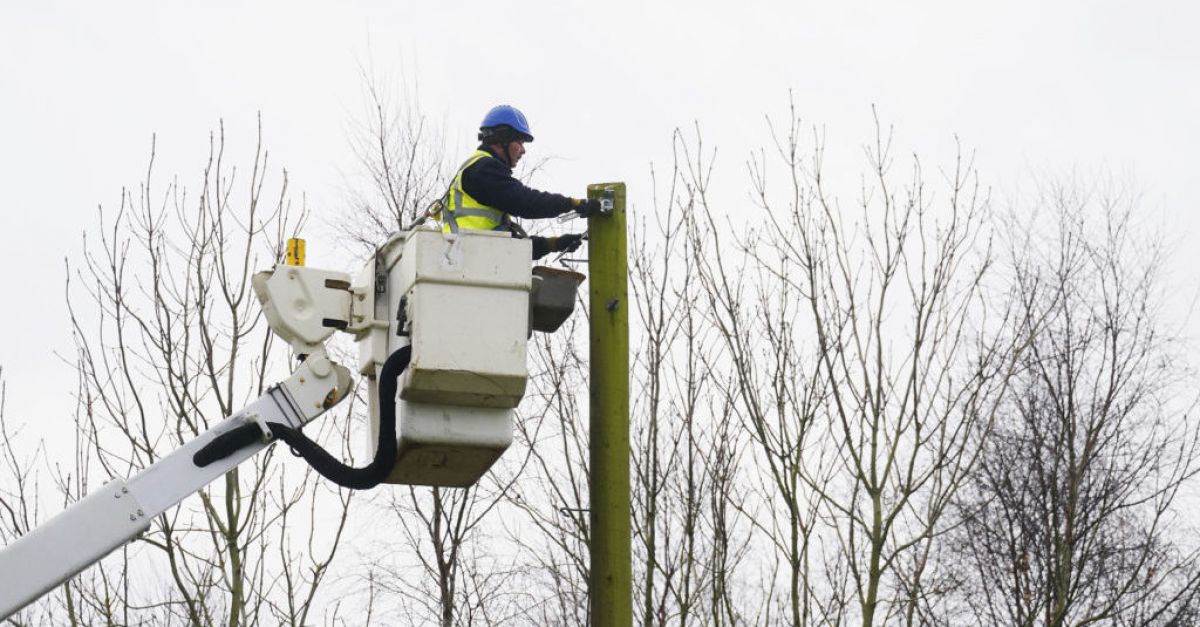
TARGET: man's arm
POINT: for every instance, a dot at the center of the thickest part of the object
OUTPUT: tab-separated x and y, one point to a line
491	182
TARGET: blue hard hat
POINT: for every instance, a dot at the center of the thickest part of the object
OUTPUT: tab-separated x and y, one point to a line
505	116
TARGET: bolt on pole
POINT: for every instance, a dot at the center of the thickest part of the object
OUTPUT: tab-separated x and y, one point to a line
611	578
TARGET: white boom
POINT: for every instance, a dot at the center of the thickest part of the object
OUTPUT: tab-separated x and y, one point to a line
120	511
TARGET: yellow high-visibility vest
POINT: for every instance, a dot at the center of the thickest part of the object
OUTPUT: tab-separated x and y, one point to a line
461	211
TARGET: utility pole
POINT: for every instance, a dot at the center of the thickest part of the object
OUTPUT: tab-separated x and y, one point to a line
611	579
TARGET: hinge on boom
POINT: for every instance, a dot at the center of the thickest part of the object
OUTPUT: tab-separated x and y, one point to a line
256	418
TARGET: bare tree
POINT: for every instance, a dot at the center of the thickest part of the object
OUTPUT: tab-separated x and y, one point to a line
169	340
402	161
864	362
1072	518
685	455
762	390
552	493
18	505
19	496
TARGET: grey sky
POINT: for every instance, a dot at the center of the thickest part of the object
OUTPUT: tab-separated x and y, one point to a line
1030	86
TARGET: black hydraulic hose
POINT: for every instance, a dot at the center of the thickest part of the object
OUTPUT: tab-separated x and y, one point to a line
380	467
325	464
226	444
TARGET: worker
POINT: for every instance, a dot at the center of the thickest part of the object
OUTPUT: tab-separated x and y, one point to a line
485	196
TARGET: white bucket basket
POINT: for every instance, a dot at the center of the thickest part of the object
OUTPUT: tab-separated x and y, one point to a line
464	306
469	321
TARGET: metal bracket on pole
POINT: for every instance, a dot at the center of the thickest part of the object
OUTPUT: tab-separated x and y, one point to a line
607	202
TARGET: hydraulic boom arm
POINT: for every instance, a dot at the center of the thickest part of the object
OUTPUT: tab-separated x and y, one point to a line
122	509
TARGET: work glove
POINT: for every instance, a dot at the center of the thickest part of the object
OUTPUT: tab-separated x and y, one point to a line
568	243
586	208
541	246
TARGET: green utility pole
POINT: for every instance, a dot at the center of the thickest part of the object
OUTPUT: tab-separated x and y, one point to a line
611	584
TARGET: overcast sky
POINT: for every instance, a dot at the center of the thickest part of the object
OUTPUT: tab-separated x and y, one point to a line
1046	87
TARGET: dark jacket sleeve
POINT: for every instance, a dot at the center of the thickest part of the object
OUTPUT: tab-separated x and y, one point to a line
491	182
